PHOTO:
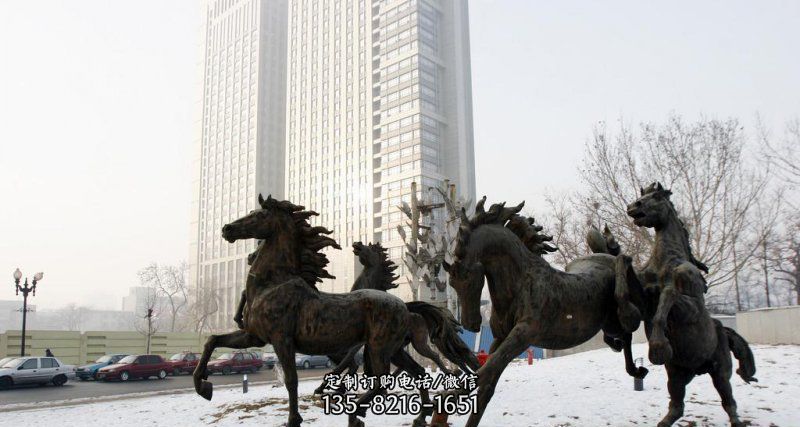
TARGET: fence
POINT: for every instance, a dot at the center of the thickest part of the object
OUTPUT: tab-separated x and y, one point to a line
80	348
770	325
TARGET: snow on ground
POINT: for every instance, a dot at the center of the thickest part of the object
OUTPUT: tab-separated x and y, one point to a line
587	389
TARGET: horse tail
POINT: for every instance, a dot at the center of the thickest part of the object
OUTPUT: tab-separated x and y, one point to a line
741	351
443	331
602	242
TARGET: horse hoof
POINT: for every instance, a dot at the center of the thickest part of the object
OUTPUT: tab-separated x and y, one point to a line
419	423
320	390
206	390
660	353
641	372
355	422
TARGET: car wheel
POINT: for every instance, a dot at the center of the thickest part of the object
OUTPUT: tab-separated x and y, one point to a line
306	365
176	372
124	376
226	370
6	382
328	364
59	380
162	374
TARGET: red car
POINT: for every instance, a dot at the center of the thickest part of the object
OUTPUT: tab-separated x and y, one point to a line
141	366
240	361
184	362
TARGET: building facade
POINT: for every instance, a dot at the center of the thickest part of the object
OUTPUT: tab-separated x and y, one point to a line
378	96
240	143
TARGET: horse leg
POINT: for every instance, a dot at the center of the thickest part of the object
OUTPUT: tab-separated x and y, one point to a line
238	339
721	377
284	349
627	282
378	365
489	374
677	379
347	363
630	367
660	351
419	340
405	362
239	317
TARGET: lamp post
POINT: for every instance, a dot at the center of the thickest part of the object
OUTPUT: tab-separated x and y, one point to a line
25	291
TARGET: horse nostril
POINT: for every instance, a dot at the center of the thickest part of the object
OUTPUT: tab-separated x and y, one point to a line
225	228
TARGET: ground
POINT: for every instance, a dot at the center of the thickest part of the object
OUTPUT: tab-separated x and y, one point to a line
587	389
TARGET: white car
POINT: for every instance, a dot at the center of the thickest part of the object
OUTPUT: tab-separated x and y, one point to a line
35	370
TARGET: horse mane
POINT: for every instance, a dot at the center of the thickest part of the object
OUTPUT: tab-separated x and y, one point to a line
657	188
530	233
311	240
386	266
498	214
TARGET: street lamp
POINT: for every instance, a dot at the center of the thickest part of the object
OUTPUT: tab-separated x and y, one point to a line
25	291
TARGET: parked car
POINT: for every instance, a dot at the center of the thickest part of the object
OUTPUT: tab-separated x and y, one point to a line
35	370
239	361
269	359
135	366
89	371
306	361
183	362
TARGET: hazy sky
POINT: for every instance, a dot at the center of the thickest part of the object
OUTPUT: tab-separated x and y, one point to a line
98	105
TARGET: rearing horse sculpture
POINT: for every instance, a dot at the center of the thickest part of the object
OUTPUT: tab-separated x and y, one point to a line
668	294
532	302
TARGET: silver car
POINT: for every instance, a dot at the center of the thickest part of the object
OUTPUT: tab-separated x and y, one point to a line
35	370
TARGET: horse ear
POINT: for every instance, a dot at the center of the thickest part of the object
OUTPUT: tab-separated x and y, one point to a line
260	200
659	187
446	266
464	218
641	191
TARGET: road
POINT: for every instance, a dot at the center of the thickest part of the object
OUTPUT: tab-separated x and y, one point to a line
76	389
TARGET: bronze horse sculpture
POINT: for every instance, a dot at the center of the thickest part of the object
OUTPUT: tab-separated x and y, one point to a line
532	302
668	294
283	307
427	321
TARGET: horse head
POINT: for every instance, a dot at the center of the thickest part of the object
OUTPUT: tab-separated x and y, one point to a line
285	231
378	268
653	208
467	272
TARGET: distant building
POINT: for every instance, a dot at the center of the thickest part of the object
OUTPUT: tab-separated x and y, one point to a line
11	314
379	96
240	146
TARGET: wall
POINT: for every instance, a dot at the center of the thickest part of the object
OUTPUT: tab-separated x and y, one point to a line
780	325
80	348
593	344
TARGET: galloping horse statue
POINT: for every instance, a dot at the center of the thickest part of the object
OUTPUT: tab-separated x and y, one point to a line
668	294
284	307
532	302
427	321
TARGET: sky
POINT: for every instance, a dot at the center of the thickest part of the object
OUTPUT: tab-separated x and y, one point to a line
99	111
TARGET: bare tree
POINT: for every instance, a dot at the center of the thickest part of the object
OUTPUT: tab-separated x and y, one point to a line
204	305
567	226
169	282
783	156
145	320
704	163
71	316
784	257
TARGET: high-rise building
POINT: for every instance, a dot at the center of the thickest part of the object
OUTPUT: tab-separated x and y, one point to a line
379	96
241	140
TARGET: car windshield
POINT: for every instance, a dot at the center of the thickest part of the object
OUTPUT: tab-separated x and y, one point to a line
13	363
176	357
127	359
104	359
6	360
226	356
